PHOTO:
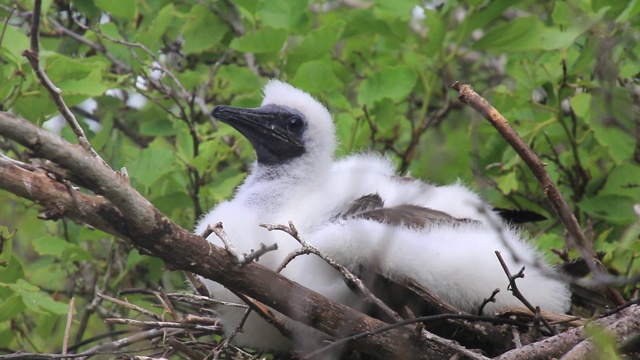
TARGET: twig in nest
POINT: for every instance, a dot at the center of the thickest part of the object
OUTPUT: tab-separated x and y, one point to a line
491	298
516	292
129	305
222	235
163	324
422	319
197	284
243	259
201	300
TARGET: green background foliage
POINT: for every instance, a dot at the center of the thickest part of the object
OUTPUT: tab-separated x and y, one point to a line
565	73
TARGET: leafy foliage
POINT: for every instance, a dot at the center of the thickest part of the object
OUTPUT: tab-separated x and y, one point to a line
144	74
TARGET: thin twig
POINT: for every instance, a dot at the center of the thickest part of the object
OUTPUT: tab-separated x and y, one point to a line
163	324
492	298
255	254
217	351
67	329
516	292
222	235
201	300
95	46
6	22
130	306
33	55
351	280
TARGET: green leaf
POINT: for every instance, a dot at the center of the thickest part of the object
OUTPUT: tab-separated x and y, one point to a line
631	11
280	14
152	35
395	8
14	43
51	245
618	143
614	208
316	44
562	39
36	300
508	183
239	79
520	34
581	105
623	180
437	32
6	245
119	8
394	82
267	40
11	307
77	76
316	77
202	30
150	165
562	14
492	11
156	127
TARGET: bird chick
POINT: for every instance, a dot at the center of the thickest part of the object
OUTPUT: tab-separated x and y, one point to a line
359	212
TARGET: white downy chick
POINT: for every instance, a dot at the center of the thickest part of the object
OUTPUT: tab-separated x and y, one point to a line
296	178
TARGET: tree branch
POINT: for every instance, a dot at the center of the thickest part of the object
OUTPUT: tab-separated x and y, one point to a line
128	215
576	237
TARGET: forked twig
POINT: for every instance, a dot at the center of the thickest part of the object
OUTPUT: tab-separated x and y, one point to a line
352	281
516	292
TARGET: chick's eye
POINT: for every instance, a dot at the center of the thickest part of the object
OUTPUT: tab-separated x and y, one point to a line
295	125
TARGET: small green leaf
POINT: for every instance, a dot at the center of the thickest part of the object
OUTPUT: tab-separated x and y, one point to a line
156	127
267	40
581	105
316	77
615	208
280	14
36	300
623	180
6	245
562	14
202	30
618	143
51	245
14	43
120	8
395	8
394	82
631	11
562	39
150	165
508	183
11	307
239	79
520	34
316	44
152	35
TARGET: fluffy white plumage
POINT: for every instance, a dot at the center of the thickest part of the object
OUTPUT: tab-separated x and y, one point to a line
456	262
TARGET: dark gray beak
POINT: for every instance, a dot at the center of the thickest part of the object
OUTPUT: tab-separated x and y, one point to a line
274	131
